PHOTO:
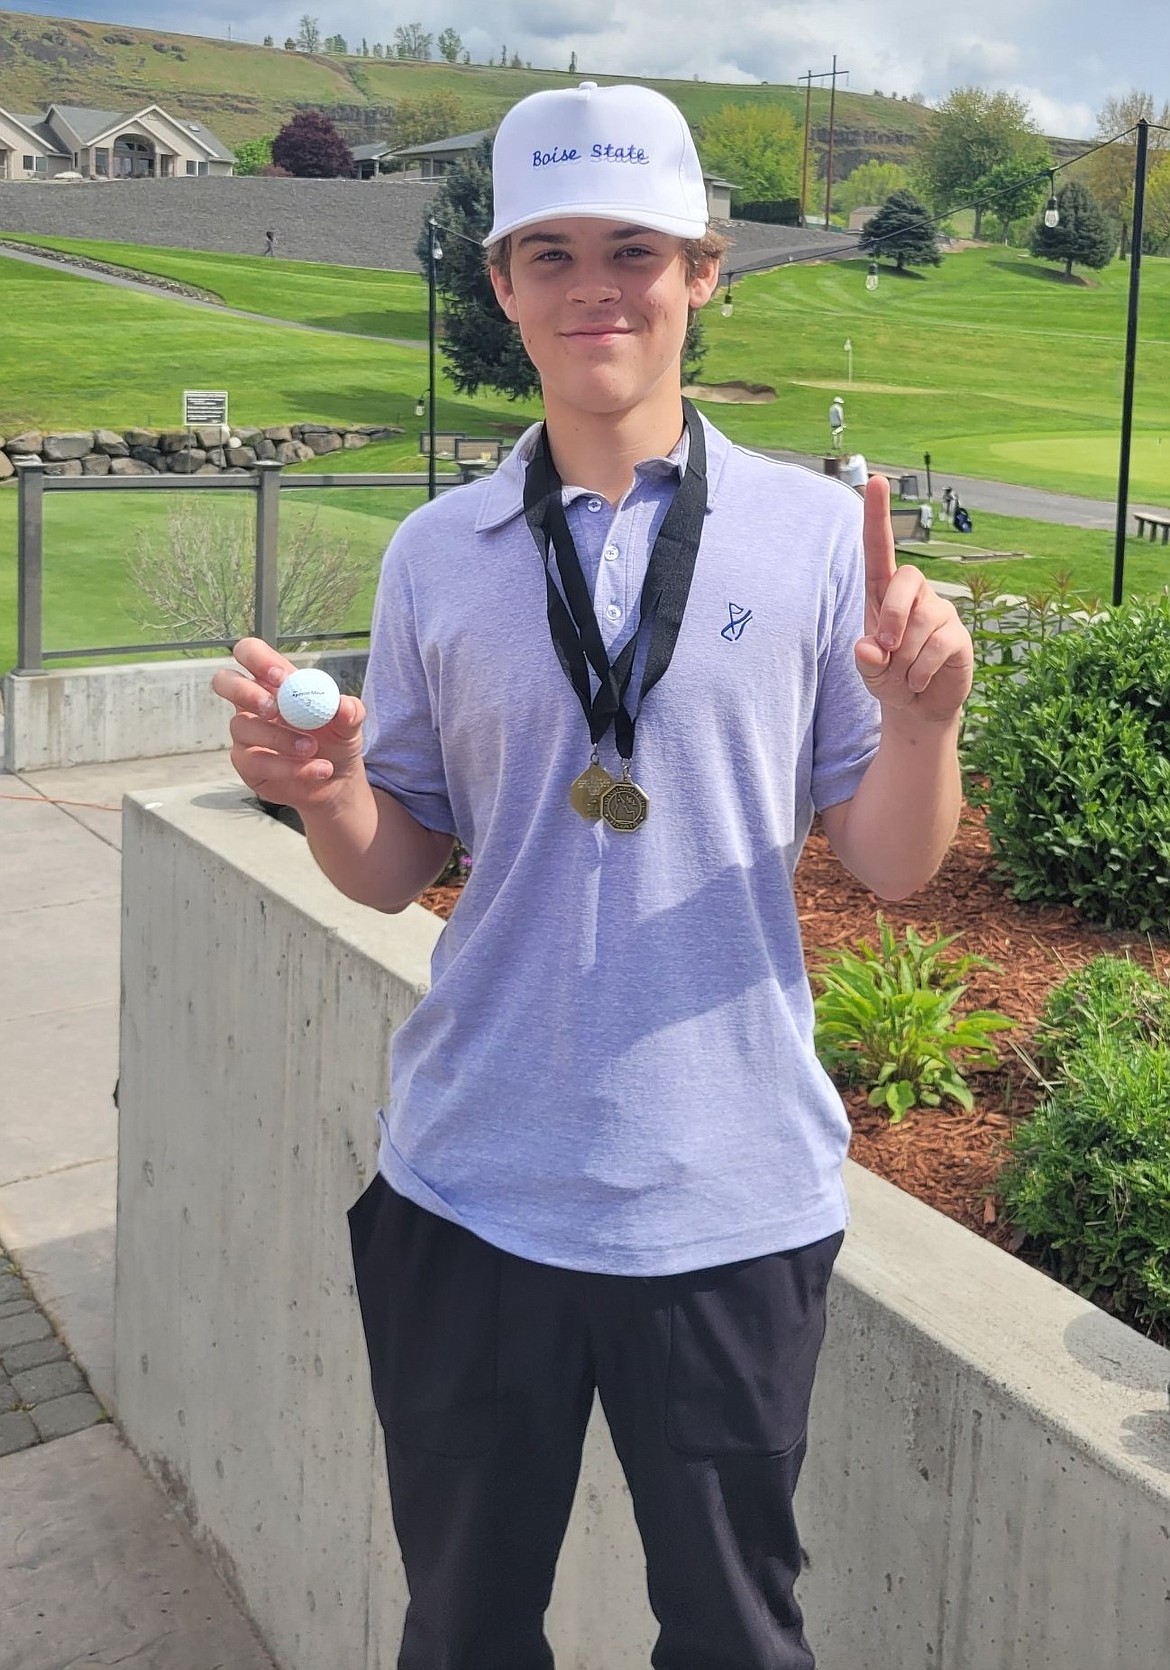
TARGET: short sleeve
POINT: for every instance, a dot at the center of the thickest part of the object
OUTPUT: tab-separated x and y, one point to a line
402	746
847	722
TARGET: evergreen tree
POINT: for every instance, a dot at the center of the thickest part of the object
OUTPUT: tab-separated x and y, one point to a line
1084	232
311	148
902	228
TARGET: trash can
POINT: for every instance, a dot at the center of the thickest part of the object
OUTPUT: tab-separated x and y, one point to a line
832	464
908	487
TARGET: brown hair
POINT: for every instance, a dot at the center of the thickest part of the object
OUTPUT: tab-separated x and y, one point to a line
696	252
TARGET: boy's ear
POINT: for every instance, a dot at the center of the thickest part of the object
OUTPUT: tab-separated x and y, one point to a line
703	286
505	294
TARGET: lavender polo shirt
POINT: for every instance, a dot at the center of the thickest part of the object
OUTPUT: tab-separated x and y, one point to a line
613	1069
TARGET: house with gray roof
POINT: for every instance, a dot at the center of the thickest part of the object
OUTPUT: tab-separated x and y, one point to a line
150	143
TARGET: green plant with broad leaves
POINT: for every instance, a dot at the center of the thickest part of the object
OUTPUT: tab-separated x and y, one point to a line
1088	1175
887	1017
1076	756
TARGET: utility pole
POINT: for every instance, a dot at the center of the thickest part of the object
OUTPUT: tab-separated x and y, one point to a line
808	78
1131	343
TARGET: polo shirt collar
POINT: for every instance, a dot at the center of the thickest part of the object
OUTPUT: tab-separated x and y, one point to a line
503	498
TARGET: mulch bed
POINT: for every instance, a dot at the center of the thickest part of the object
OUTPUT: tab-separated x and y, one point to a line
946	1157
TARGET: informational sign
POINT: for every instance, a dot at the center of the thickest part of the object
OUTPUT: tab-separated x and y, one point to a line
204	406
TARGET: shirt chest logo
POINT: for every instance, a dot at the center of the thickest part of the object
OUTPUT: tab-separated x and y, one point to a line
737	619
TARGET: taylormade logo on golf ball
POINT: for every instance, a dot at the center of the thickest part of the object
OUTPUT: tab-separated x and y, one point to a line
308	699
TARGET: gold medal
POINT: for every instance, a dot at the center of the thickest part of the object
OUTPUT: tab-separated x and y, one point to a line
624	806
585	791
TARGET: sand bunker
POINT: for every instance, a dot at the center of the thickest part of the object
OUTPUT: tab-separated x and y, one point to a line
755	394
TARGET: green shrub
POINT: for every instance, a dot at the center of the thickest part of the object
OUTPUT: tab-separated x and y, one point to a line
1076	752
1110	998
886	1019
1088	1179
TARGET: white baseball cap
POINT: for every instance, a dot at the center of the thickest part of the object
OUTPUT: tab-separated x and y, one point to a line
608	153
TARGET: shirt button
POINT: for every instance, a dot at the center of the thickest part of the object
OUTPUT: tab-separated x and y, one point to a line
595	504
612	612
610	553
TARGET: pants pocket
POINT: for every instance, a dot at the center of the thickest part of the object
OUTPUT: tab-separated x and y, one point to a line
429	1293
743	1347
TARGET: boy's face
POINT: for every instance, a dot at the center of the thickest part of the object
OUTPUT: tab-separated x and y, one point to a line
602	308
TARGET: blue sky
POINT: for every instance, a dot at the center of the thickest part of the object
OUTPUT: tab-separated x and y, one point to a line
1064	56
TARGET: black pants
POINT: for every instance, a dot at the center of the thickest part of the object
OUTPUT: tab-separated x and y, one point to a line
484	1367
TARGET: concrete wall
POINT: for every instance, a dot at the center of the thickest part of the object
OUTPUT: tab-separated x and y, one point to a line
134	711
989	1482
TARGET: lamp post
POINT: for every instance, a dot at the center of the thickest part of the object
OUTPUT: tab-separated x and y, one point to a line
434	255
1131	330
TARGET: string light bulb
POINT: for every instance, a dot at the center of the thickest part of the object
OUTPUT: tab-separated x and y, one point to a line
1052	212
420	405
871	277
727	309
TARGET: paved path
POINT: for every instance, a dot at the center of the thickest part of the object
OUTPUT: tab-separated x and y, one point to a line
95	1566
1002	498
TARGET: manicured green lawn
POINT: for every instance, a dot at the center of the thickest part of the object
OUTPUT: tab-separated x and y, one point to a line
359	299
1050	551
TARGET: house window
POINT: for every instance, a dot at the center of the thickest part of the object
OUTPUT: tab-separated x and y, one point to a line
164	166
203	168
191	168
75	159
28	163
101	161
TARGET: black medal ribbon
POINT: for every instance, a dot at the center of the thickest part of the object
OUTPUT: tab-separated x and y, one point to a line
572	622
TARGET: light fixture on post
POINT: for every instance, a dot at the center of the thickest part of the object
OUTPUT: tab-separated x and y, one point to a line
434	255
1052	211
420	404
871	277
727	309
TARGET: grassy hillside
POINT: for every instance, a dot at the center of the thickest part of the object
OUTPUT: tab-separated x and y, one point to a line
243	90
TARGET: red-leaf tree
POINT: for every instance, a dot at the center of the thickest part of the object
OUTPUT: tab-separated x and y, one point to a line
311	148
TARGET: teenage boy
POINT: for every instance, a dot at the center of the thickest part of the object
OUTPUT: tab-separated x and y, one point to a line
625	671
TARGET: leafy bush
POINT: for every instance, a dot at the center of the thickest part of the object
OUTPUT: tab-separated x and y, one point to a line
886	1018
1111	998
1089	1179
1076	750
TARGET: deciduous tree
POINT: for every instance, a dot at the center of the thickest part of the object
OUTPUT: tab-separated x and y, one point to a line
1109	172
253	154
411	40
310	147
1084	233
870	183
309	34
429	116
450	45
969	134
755	146
902	229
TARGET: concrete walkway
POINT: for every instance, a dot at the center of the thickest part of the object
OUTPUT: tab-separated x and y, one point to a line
95	1567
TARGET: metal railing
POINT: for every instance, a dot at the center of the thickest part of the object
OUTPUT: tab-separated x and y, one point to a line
265	481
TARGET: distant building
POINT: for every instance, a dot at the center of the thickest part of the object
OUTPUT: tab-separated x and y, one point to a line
108	145
859	216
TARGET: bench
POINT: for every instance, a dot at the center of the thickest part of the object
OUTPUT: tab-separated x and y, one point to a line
907	523
1154	523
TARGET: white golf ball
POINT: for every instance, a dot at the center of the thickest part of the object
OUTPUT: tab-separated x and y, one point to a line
308	699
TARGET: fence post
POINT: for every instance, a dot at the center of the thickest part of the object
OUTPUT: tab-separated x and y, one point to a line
267	609
30	529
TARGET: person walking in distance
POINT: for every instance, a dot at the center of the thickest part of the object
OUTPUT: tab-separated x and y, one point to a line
837	423
610	1164
270	243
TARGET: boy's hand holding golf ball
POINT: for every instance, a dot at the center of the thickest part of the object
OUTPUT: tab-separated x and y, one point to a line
295	737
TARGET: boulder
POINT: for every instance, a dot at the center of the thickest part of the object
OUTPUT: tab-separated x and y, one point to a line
293	452
216	458
6	467
174	440
140	437
264	448
240	457
247	437
208	469
322	440
211	435
72	445
113	445
186	463
382	432
30	441
64	466
279	432
354	439
145	455
96	463
131	466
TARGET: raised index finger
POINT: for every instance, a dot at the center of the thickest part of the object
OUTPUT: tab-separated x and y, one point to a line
878	539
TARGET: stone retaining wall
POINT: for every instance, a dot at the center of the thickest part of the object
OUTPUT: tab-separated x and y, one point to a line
213	450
